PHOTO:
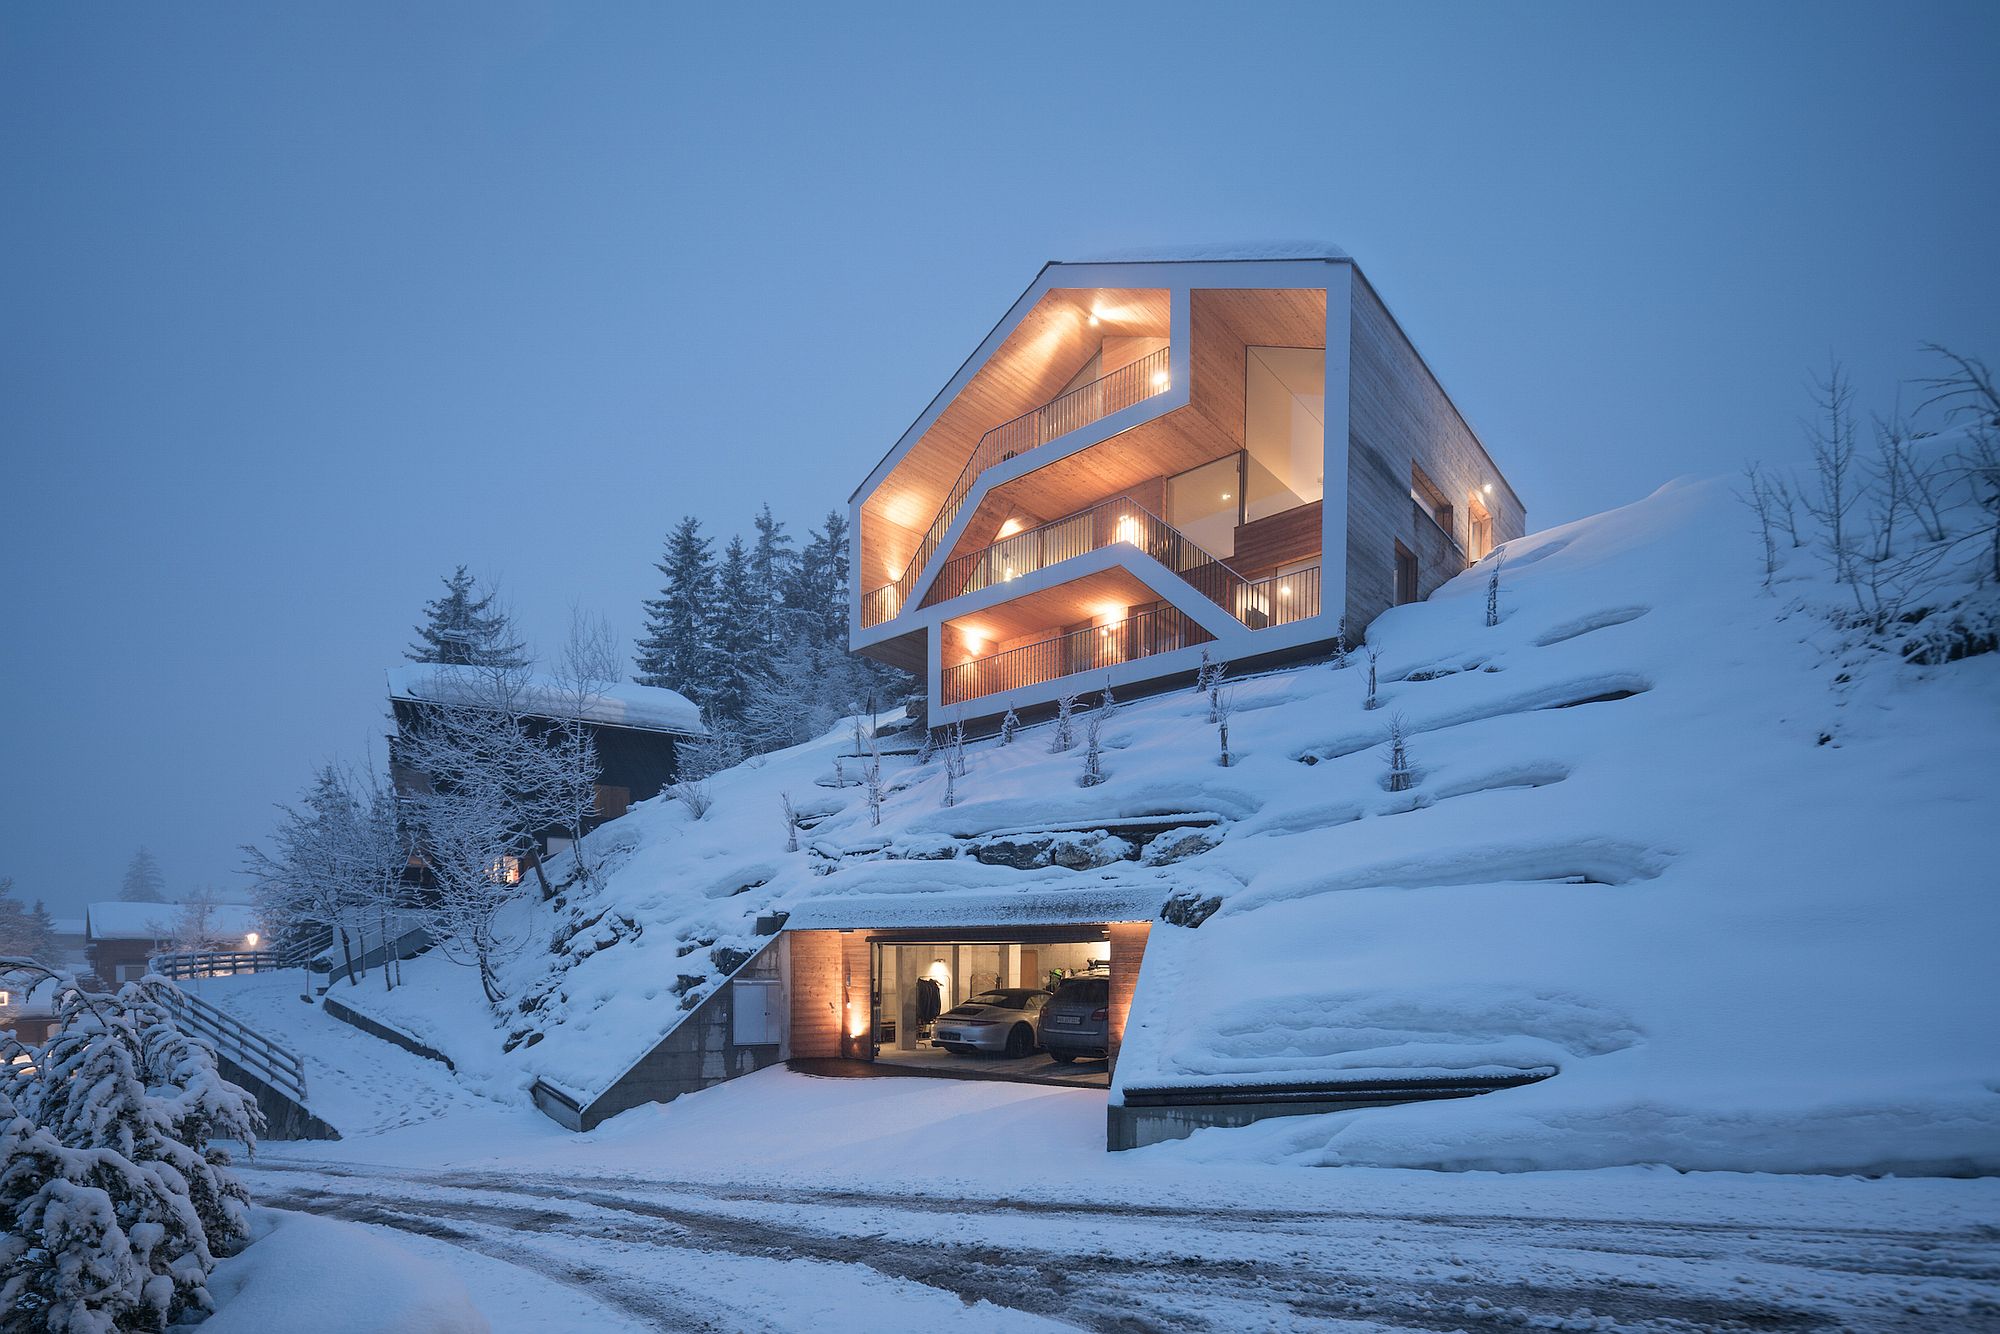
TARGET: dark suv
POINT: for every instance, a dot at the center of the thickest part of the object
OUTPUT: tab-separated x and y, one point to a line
1076	1021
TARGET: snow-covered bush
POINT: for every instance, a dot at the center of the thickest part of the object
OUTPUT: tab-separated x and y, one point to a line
115	1201
1008	726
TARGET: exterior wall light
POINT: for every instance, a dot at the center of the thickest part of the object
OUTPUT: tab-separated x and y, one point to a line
251	940
1159	379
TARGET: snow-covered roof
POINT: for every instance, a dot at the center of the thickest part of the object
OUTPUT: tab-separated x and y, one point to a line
119	920
1218	250
641	708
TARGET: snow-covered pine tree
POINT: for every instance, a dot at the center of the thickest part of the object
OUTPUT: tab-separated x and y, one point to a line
1008	726
676	651
143	881
464	628
738	636
27	933
114	1202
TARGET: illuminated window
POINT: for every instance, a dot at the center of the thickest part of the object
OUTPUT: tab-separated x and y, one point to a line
505	871
6	998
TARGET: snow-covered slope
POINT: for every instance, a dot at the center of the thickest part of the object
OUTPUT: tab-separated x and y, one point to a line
1671	836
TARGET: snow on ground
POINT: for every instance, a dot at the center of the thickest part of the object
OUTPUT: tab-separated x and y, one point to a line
788	1202
1671	837
359	1084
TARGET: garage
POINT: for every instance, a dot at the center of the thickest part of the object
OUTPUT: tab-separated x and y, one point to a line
1040	1003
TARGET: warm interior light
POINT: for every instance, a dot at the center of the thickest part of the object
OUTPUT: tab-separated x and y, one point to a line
1011	527
1159	379
1284	590
1488	488
1225	495
6	998
251	940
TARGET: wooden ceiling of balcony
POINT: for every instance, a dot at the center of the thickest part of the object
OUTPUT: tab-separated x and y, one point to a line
1040	615
1210	426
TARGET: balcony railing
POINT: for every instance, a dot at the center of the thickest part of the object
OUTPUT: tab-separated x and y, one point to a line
1089	650
1279	600
1108	522
1078	408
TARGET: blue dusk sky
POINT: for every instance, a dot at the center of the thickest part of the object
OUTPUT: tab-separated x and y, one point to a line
303	304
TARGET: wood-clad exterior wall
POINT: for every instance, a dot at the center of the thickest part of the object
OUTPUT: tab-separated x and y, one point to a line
1262	545
816	993
857	1037
1128	951
1399	419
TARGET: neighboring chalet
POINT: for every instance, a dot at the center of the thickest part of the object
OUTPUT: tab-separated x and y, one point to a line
120	938
1149	460
638	730
28	1012
1146	463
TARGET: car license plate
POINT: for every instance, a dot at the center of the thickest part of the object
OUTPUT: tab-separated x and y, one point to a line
947	1037
1069	1018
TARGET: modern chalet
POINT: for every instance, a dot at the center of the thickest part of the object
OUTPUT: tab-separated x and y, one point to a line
1153	459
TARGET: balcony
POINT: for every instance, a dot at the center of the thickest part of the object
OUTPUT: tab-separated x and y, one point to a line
1121	389
1278	600
1274	601
1162	630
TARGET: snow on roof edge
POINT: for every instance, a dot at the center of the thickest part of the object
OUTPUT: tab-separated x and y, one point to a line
1213	251
641	708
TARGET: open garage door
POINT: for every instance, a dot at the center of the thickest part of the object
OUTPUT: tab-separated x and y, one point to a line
1030	1004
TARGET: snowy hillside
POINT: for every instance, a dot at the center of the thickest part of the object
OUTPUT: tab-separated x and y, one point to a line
1671	836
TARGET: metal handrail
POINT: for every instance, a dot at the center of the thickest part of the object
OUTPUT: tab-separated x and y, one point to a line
1107	523
1088	403
232	1038
1094	648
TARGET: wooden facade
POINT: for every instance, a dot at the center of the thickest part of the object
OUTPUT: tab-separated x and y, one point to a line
1128	952
1388	432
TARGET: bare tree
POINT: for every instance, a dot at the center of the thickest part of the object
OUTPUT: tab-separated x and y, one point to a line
1757	496
1222	704
873	778
1493	590
1374	660
1093	752
1830	433
587	666
1064	736
1785	505
955	755
1966	392
1216	671
791	822
1340	645
309	876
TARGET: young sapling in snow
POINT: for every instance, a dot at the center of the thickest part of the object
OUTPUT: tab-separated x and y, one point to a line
791	822
1340	645
1760	502
929	748
1008	726
950	783
1215	675
955	756
839	772
1093	754
874	779
1374	659
1065	735
1108	704
1401	776
1222	703
1493	590
693	794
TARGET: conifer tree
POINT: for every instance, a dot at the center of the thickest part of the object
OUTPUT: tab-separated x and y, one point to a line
676	651
144	882
465	629
741	651
771	562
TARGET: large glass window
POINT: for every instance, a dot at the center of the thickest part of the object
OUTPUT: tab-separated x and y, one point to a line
1284	428
1204	503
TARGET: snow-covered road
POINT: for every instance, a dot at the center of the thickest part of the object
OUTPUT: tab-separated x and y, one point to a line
716	1255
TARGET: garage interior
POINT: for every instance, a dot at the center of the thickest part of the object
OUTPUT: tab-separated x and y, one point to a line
917	980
